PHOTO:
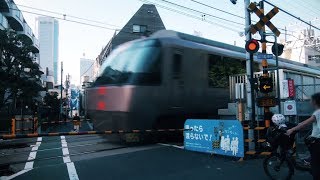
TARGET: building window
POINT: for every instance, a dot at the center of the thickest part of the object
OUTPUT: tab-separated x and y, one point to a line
139	28
315	58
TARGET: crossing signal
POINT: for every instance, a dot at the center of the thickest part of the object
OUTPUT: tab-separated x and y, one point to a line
252	46
265	84
280	49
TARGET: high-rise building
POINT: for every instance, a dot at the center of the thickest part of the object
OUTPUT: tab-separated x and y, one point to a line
48	32
86	70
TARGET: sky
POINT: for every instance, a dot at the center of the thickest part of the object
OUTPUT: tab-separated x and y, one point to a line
76	40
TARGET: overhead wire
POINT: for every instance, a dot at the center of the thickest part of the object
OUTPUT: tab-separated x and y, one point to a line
74	21
290	14
226	12
298	3
68	15
207	14
87	69
189	15
173	10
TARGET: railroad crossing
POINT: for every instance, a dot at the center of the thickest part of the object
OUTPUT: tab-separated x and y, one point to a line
102	157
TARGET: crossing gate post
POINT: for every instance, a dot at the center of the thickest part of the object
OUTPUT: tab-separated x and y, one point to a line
13	126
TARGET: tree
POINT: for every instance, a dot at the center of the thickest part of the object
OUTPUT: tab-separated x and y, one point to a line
19	74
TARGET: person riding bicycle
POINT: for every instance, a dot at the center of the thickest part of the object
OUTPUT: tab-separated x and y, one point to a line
313	142
276	134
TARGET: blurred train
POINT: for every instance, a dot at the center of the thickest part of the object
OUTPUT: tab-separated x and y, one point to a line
160	81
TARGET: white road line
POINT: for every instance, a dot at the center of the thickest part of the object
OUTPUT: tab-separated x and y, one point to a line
66	159
33	154
90	125
72	171
172	145
15	175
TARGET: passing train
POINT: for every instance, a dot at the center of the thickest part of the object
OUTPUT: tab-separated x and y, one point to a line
160	81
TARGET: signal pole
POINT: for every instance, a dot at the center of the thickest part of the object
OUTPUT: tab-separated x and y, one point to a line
249	87
60	112
264	63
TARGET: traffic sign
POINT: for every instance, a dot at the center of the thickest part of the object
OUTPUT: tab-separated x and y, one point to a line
264	56
264	19
266	84
290	108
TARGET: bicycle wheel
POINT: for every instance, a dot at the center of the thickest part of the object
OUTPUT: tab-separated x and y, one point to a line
278	168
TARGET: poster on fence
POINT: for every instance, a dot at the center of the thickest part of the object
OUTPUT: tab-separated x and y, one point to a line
223	137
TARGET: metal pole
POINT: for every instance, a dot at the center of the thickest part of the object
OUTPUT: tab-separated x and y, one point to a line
60	112
250	92
278	78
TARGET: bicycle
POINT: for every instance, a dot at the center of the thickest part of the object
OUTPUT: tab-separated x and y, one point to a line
281	163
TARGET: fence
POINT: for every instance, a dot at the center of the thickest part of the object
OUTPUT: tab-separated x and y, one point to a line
304	92
237	84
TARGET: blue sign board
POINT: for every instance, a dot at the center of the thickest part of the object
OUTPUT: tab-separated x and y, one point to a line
264	56
223	137
74	101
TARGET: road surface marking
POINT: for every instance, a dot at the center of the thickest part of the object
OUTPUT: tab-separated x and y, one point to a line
66	159
15	175
72	171
33	154
90	125
172	145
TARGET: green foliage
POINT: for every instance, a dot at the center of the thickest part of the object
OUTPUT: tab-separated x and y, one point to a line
19	74
220	68
52	101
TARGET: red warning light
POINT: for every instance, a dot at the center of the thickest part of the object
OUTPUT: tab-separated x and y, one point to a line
252	46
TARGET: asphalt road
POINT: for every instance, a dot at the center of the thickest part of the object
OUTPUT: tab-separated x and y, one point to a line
101	157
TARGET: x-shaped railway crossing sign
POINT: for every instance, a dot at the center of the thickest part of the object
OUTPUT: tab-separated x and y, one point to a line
264	19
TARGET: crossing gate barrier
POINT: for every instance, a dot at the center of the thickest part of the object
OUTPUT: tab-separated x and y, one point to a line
24	124
29	135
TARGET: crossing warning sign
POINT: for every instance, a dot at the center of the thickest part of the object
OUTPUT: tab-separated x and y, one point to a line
264	19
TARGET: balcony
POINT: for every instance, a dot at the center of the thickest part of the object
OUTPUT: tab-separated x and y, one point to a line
26	32
36	43
14	17
4	5
3	22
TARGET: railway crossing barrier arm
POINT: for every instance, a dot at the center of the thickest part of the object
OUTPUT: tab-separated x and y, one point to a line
20	136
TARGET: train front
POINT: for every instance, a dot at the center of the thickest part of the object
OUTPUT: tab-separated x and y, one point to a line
124	94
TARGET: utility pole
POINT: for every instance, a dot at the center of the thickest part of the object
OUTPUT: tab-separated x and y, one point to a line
60	113
249	87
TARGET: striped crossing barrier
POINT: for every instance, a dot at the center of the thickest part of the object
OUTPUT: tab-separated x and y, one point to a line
19	136
59	122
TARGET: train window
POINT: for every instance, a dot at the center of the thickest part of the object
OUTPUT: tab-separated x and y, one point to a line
176	66
220	68
136	64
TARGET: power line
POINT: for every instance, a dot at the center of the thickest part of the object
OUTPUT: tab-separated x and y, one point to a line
230	13
87	69
207	14
292	15
83	23
189	15
67	15
300	3
73	21
217	9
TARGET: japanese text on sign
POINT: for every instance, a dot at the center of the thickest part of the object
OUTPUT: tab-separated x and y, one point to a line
223	137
